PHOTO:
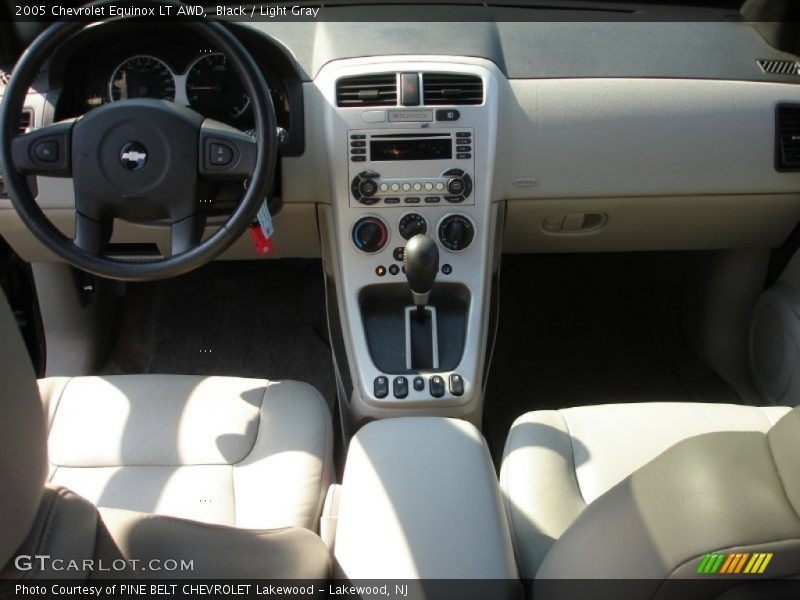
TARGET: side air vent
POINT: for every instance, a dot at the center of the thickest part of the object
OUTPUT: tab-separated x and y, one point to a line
25	121
452	88
367	90
779	67
787	138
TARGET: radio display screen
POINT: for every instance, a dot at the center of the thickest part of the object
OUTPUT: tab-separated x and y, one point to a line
415	149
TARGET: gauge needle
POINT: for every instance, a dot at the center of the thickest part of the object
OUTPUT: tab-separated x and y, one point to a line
212	88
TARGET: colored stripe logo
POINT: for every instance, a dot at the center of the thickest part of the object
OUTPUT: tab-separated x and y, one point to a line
734	563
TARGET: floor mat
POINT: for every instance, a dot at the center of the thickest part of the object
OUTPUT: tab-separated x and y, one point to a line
249	319
592	329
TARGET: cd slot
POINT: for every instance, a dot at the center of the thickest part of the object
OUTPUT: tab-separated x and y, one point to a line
410	135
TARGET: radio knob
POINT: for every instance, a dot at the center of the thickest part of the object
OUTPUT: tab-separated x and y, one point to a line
455	186
456	232
370	234
367	188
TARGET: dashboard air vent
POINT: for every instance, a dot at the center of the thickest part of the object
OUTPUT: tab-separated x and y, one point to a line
367	90
787	138
779	67
452	88
25	121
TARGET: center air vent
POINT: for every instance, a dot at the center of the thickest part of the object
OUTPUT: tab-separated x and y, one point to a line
787	138
367	90
452	88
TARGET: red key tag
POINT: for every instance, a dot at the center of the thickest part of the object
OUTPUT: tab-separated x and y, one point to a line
260	241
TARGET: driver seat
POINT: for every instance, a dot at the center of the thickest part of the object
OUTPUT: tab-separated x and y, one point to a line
227	473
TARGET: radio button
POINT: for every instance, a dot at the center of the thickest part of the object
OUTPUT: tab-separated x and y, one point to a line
432	199
462	156
358	158
384	187
417	187
358	144
395	187
412	200
428	186
463	148
392	200
461	134
439	186
406	187
358	136
358	150
454	199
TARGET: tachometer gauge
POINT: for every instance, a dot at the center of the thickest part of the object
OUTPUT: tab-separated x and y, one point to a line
214	89
142	77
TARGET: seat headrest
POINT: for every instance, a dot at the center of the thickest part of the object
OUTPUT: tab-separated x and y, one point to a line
23	437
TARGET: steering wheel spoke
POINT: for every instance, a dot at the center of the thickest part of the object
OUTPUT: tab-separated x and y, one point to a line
91	235
45	151
225	152
187	233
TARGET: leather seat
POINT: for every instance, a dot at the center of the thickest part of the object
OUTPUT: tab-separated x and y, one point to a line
572	482
242	452
245	453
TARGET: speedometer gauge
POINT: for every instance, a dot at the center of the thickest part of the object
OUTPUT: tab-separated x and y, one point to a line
214	89
142	77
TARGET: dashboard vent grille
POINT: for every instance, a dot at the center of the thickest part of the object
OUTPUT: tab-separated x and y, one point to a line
779	67
367	90
452	88
787	138
25	121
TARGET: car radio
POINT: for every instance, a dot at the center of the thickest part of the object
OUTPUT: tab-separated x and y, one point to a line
419	167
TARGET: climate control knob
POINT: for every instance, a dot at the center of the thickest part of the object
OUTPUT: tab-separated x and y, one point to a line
370	234
456	232
412	224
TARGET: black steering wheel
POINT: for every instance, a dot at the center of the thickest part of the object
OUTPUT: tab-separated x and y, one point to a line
139	160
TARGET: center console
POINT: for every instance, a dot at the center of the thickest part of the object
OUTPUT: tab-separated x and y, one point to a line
410	150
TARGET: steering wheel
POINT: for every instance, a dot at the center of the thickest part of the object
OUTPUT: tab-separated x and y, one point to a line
139	160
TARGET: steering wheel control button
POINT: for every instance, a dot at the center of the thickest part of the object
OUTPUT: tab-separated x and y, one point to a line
400	387
410	225
419	383
437	386
447	114
370	234
456	385
133	156
380	387
46	151
456	232
221	154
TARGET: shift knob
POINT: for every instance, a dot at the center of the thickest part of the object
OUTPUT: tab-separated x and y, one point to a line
421	261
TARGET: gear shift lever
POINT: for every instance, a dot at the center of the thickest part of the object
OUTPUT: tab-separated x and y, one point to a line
421	262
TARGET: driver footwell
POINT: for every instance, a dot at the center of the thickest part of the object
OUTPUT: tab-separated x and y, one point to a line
246	319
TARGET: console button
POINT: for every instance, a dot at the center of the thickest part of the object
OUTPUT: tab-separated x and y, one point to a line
447	114
463	148
381	387
406	187
380	270
461	134
400	387
432	199
463	156
428	186
437	386
440	186
409	89
411	200
384	187
447	269
454	199
419	383
392	200
360	136
394	269
417	187
395	187
399	253
358	158
358	144
456	385
358	150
